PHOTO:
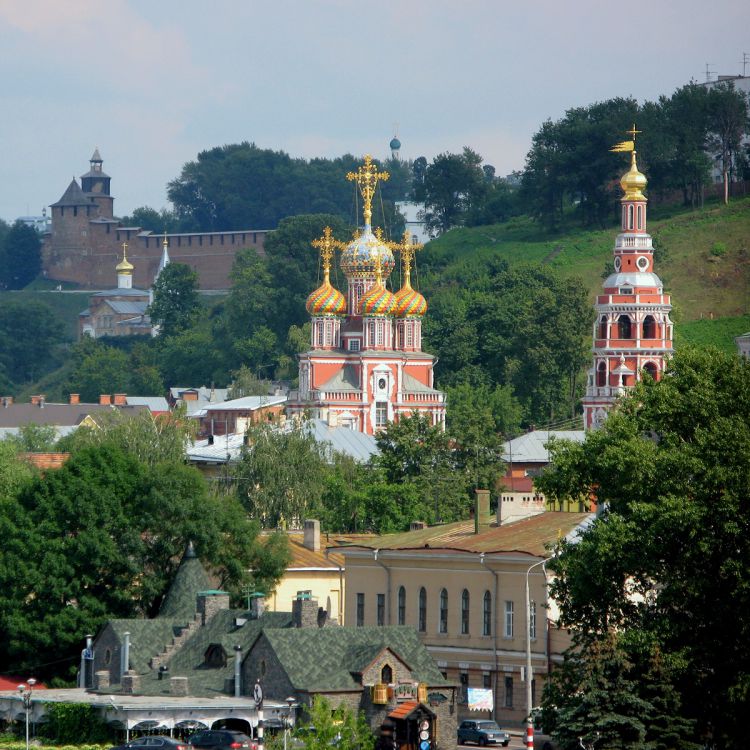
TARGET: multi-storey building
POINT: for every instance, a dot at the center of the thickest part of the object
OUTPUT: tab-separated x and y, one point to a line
366	366
633	330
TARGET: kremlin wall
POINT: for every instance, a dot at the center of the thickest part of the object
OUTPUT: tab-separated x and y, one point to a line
85	241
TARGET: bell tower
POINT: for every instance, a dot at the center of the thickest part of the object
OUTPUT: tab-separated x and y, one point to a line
633	330
95	183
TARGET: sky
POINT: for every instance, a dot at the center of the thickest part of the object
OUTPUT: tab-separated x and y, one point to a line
151	83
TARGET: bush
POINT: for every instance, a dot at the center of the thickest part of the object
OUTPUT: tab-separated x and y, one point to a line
718	249
74	723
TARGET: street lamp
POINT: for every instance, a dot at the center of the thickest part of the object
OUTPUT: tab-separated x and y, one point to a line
529	707
25	691
288	718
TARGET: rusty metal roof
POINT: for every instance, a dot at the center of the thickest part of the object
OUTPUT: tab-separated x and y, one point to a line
530	536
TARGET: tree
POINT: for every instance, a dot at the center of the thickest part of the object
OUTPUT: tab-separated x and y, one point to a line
152	220
453	185
245	383
669	560
101	538
176	300
22	256
96	369
331	727
727	123
34	438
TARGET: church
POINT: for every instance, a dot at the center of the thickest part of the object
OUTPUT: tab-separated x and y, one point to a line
365	366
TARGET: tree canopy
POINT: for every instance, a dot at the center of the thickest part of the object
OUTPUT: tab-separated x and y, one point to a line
667	564
176	299
20	256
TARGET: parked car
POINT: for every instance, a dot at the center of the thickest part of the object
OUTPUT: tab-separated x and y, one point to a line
153	742
222	739
483	732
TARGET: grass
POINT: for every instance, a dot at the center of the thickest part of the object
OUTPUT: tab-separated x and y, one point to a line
65	305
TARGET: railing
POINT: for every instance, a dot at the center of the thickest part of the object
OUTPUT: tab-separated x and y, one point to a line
645	243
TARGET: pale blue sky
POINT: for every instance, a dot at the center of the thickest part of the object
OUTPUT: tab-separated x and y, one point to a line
153	82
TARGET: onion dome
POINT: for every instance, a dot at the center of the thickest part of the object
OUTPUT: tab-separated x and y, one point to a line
365	253
395	144
378	302
633	182
326	300
409	303
124	266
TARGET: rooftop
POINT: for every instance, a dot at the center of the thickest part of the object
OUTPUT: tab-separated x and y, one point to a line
531	447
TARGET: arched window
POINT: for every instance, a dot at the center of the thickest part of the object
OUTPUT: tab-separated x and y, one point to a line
602	333
624	326
651	369
401	605
465	612
649	327
630	217
601	375
640	217
443	622
386	675
422	610
487	614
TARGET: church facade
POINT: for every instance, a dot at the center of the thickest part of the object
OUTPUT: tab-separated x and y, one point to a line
366	366
85	238
633	331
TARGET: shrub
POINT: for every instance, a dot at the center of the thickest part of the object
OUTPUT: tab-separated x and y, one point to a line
718	249
69	723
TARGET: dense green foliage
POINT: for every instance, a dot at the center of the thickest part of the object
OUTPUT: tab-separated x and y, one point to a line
334	727
176	300
666	567
74	723
20	256
102	538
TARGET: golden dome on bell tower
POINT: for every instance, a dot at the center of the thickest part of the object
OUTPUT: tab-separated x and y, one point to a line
633	182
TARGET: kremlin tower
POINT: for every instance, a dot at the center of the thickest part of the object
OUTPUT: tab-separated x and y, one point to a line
366	366
633	331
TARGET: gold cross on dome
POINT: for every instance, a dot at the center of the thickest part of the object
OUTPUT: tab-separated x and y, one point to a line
633	132
367	177
327	246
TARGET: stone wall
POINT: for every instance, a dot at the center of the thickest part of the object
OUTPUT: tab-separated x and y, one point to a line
261	664
107	654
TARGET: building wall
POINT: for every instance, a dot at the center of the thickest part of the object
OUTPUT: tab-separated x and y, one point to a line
325	586
473	655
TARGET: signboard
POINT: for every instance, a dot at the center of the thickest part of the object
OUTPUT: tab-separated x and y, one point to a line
405	691
435	699
479	699
258	695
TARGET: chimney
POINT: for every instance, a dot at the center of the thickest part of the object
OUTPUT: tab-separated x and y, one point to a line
257	605
304	610
121	399
311	539
210	440
105	399
481	509
417	526
75	398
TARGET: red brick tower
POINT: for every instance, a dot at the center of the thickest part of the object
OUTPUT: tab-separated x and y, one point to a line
366	366
633	330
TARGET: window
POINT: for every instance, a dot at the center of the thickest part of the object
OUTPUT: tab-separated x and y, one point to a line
650	368
353	345
602	334
381	609
486	680
381	413
379	333
532	620
508	692
630	217
465	612
533	692
601	375
624	326
463	693
487	614
409	334
443	626
360	610
422	624
386	675
508	619
649	327
371	333
640	217
401	605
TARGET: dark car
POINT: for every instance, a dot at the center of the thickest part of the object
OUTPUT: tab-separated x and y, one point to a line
154	742
222	739
483	732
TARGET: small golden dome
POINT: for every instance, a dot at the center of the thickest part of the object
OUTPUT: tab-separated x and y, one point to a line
124	266
633	182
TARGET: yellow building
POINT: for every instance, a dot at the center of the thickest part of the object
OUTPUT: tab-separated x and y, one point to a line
462	586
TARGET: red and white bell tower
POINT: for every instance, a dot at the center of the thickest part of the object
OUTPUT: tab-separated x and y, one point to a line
633	330
366	366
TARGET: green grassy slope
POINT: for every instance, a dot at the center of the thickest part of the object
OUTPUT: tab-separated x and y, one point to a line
66	305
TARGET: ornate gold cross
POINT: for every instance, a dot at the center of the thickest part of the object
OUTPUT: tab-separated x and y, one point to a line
367	177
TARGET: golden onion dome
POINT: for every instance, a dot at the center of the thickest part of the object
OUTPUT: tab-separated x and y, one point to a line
364	253
633	182
378	301
326	300
124	266
409	303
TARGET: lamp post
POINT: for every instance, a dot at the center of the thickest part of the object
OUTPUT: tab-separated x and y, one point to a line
529	707
25	692
288	719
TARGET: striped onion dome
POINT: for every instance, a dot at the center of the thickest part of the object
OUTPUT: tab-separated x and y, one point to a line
409	303
378	302
326	300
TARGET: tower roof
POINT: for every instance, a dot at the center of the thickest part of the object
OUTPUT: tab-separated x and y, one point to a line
190	579
95	156
409	303
633	182
73	196
326	300
124	266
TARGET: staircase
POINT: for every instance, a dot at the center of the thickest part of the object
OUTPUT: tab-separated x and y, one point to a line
177	643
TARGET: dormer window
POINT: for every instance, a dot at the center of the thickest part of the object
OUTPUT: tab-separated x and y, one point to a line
215	656
626	290
386	675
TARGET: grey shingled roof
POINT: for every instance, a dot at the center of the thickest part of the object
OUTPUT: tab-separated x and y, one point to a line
147	637
531	447
127	307
191	577
73	196
338	652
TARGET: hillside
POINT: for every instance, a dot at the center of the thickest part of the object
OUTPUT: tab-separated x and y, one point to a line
703	285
